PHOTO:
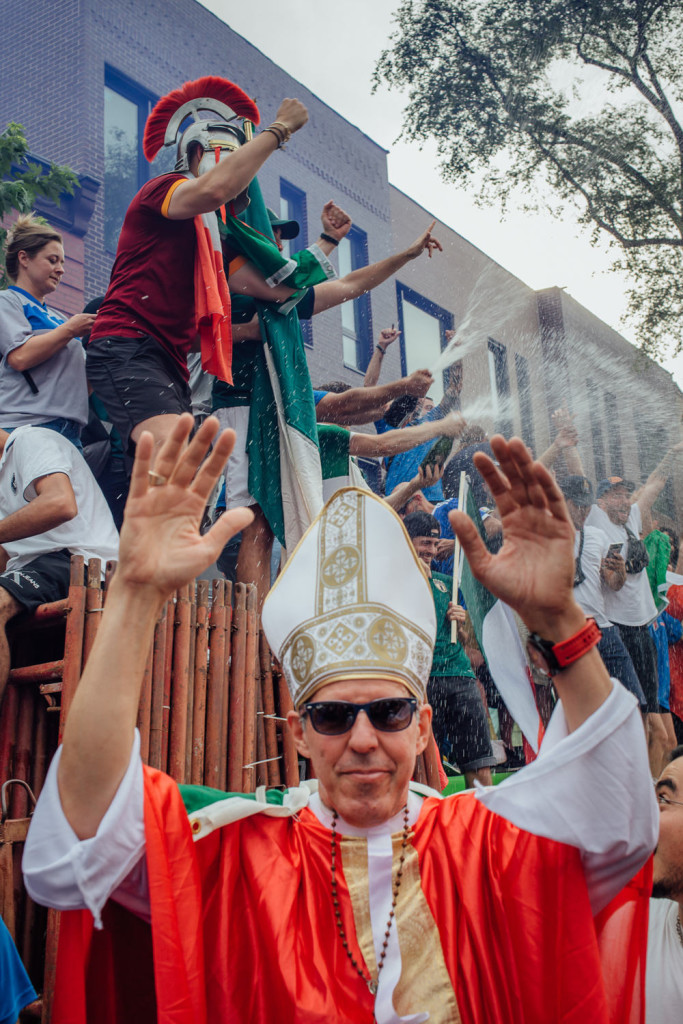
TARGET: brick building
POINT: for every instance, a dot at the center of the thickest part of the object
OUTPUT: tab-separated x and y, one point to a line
82	76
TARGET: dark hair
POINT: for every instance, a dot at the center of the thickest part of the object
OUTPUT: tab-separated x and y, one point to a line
27	235
422	524
676	753
338	387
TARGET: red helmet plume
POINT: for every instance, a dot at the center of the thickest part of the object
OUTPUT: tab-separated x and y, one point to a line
211	93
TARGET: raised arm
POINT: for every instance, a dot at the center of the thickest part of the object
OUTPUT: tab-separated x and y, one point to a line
364	405
161	549
332	293
534	570
232	175
403	492
646	496
565	443
402	440
386	336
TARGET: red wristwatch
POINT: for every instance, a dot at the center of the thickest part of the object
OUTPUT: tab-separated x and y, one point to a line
550	658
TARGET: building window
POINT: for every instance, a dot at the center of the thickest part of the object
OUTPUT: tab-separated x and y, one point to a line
524	393
356	315
614	436
293	207
423	327
126	108
499	378
599	464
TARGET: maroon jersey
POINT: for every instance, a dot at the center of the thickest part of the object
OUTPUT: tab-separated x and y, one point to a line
152	282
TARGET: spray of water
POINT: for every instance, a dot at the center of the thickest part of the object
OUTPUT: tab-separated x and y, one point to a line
494	300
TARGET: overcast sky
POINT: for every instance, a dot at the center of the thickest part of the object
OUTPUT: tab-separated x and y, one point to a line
332	49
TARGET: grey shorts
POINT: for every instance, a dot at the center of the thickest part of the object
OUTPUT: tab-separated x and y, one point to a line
460	724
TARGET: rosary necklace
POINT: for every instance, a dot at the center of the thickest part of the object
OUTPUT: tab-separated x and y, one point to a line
679	929
372	983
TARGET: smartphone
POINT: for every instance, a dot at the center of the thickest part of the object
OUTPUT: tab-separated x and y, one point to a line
614	549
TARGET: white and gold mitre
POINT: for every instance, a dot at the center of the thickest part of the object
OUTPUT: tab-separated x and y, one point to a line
352	602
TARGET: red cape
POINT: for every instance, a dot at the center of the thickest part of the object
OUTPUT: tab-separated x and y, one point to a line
243	928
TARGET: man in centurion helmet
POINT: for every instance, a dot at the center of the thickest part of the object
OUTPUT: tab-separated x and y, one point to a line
358	896
168	284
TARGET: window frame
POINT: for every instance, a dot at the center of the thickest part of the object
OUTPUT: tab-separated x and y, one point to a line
362	309
425	305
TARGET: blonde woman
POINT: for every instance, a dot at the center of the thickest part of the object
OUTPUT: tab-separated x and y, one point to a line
42	367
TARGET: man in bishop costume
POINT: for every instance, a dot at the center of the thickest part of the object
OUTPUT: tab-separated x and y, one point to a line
359	896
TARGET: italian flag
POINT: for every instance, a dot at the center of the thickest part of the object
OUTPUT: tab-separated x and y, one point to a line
500	642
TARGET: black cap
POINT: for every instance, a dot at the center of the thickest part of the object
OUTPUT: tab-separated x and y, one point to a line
614	481
288	228
578	489
421	524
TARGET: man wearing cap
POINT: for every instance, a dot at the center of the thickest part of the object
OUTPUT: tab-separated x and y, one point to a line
619	514
358	896
596	567
459	721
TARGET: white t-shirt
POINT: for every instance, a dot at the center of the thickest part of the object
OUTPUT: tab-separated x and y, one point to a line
664	976
633	605
32	452
590	595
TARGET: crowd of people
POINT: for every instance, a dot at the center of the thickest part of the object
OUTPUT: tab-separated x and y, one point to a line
184	391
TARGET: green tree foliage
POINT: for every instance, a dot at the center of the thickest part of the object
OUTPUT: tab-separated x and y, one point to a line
583	96
19	189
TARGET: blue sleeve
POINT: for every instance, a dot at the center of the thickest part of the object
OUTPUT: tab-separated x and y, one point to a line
674	628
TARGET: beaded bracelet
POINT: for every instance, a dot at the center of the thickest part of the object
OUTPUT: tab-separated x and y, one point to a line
329	238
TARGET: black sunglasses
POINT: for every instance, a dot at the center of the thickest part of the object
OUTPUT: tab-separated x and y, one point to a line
335	717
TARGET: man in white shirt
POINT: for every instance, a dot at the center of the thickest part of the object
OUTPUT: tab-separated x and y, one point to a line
596	570
50	508
664	992
619	513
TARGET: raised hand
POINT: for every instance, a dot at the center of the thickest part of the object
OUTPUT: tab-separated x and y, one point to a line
292	113
386	336
426	241
418	383
161	548
534	570
335	221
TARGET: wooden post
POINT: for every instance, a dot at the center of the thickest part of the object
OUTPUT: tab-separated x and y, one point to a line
168	667
9	709
268	704
22	753
200	684
249	716
289	751
93	605
226	686
156	725
238	663
180	685
214	689
73	639
192	593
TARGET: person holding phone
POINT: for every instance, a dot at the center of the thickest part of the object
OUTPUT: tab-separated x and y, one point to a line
598	566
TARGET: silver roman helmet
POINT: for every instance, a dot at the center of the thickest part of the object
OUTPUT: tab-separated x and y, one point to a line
224	103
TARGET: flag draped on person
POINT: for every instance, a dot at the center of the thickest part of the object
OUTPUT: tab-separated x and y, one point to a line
500	642
282	444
